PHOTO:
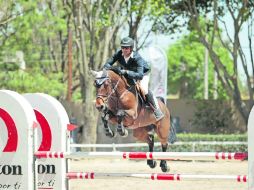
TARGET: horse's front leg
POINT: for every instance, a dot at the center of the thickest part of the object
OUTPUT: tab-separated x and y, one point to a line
120	128
108	130
163	163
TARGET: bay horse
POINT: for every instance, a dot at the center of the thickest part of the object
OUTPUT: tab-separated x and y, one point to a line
120	104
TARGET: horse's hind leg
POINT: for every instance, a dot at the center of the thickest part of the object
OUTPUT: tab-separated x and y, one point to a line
162	130
144	134
163	163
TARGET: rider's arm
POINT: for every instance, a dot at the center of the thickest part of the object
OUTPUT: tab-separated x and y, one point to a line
112	60
139	73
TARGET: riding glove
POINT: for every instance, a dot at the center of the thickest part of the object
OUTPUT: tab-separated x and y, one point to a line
123	72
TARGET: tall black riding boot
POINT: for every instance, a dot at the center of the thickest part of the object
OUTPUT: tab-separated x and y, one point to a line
153	102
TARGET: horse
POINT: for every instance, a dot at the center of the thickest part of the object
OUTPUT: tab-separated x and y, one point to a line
119	103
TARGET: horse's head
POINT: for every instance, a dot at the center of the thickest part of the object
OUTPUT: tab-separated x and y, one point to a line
102	85
106	83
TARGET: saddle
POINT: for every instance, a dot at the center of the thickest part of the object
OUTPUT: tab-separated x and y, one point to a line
137	90
140	91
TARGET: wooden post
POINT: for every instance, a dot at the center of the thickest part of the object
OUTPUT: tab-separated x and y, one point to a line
69	88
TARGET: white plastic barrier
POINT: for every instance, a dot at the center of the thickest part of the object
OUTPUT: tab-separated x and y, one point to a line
17	121
52	136
16	142
250	150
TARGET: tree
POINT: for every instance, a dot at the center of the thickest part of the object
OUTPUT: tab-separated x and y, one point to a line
197	14
24	27
186	68
144	15
240	11
95	23
24	82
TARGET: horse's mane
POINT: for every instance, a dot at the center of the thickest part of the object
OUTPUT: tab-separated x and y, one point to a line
115	70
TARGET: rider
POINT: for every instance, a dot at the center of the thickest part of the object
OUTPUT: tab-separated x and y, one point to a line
135	67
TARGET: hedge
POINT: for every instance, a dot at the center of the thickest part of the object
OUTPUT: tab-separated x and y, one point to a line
192	137
185	137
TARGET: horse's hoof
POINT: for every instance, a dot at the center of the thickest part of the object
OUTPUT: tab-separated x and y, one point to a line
123	133
165	169
151	163
164	166
111	134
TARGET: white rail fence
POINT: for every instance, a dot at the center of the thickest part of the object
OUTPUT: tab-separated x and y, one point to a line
114	146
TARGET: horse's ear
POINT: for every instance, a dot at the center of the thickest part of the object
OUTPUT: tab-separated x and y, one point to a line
94	73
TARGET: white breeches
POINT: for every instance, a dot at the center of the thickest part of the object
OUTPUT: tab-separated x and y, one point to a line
144	83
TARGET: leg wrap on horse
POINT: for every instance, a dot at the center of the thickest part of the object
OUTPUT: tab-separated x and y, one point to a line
108	130
151	163
153	102
163	163
120	128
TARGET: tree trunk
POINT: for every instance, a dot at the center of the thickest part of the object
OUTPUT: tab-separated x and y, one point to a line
90	115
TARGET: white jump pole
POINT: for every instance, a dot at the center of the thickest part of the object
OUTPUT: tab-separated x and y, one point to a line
17	122
159	176
52	136
238	156
250	150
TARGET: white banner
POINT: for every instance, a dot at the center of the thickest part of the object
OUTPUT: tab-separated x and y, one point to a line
157	59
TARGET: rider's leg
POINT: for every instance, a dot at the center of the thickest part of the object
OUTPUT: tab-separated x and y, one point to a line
152	101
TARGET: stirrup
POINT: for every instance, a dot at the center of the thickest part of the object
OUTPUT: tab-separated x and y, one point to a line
158	114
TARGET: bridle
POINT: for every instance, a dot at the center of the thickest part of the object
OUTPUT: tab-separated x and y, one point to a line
106	97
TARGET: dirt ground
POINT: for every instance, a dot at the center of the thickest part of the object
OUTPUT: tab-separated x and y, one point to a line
179	167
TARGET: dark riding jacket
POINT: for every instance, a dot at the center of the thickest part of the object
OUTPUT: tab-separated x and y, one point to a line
136	65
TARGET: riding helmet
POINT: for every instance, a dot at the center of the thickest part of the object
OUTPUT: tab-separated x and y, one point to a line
127	42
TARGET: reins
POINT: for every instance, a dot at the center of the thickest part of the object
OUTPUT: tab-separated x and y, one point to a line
105	97
114	88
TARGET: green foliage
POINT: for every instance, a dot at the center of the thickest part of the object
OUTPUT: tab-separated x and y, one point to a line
76	96
208	148
34	25
9	66
33	81
186	68
32	29
186	137
195	148
196	137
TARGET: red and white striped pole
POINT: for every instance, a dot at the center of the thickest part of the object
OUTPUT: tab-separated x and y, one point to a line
159	176
148	155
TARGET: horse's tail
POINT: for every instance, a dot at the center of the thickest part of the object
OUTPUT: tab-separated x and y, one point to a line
172	138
